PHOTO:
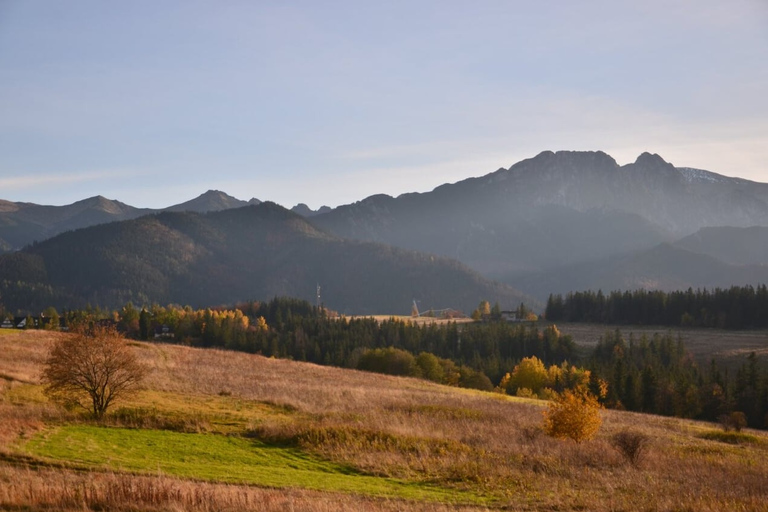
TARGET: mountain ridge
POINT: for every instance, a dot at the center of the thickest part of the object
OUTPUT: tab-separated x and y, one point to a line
546	214
544	200
22	223
234	255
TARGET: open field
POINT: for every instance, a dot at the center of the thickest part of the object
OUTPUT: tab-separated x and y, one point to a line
420	320
704	344
216	430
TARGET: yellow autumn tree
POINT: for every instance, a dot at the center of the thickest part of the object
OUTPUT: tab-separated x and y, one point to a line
530	374
573	415
261	324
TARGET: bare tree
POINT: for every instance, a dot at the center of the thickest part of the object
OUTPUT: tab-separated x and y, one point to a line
92	368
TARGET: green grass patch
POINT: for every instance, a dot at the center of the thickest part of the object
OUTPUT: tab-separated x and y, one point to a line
730	437
224	413
222	459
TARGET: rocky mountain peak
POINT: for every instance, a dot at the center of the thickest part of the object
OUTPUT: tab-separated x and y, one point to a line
210	201
647	159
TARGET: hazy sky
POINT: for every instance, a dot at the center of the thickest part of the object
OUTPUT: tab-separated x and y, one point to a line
155	102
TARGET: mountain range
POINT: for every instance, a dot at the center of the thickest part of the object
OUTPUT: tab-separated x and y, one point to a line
557	222
229	256
553	210
24	223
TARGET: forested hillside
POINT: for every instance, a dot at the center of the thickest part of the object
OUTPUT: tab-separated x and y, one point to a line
255	252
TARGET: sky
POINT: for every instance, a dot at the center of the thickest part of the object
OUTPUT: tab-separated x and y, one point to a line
325	103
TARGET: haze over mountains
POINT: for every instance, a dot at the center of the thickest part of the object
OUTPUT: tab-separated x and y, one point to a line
229	256
24	223
555	209
553	223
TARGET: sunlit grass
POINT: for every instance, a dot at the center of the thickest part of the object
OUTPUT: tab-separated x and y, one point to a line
220	458
731	437
212	425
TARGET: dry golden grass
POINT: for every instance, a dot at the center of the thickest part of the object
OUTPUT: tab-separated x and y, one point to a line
61	490
401	427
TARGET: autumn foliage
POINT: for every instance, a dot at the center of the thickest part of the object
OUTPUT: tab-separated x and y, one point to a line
573	415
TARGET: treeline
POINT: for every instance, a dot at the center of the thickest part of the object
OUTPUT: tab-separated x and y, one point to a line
295	329
298	330
647	374
739	307
657	375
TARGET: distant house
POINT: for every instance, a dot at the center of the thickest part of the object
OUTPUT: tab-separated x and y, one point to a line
7	324
510	316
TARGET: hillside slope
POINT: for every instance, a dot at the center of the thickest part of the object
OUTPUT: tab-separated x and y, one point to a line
555	209
220	430
665	267
732	245
24	223
255	252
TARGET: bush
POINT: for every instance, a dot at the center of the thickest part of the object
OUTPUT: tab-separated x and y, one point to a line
632	445
430	367
573	415
390	360
737	420
469	378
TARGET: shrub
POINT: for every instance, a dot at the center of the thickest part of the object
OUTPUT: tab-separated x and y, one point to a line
736	420
573	415
469	378
632	445
525	393
390	360
430	367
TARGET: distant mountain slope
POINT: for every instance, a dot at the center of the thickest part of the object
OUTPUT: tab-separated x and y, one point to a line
255	252
664	267
550	212
24	223
554	209
211	201
736	246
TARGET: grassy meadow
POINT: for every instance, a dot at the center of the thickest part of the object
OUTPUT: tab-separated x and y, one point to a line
729	347
217	430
